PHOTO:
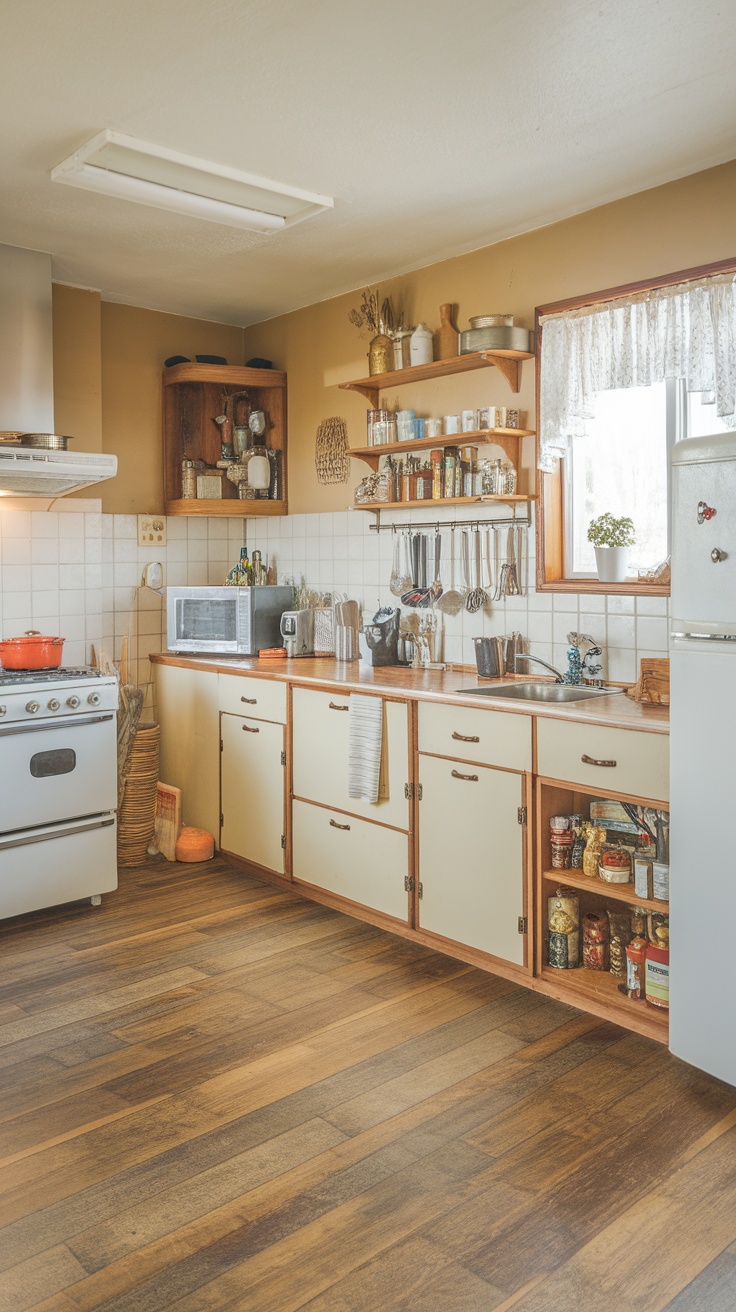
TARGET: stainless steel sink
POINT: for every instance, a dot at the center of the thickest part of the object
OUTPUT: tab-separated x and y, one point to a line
539	692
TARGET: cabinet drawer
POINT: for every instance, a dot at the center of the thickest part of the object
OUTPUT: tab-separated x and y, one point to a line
489	737
359	860
261	699
638	763
320	737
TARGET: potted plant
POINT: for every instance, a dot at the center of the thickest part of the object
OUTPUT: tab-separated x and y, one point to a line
611	538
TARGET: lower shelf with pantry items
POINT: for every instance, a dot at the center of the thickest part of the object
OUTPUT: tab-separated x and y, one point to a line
603	945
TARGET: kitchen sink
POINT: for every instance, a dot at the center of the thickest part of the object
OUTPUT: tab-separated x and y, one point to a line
539	692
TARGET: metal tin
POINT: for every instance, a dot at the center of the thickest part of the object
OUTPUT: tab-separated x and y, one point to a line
595	941
657	977
563	921
494	339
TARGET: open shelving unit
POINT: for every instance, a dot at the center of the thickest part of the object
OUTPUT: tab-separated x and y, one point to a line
192	397
507	438
594	990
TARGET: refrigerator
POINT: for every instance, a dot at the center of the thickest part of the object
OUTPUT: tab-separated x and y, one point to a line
703	755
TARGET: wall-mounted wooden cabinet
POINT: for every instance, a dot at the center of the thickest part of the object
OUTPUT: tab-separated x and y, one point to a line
194	395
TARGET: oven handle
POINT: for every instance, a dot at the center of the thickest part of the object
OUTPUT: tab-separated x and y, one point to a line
42	726
61	832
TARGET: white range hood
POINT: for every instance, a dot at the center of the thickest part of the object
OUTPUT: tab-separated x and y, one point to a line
27	385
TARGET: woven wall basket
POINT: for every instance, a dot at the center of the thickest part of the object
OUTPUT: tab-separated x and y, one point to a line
331	458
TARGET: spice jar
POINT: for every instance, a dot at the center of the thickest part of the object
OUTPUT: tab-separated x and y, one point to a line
563	926
595	941
436	458
635	959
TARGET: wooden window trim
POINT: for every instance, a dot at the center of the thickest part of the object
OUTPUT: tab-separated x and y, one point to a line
550	508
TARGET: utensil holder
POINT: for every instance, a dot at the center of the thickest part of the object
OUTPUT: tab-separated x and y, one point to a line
490	657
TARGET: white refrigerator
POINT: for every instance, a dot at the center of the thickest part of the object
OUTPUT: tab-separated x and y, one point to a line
703	755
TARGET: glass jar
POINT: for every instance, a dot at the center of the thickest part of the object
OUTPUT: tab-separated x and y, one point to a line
436	460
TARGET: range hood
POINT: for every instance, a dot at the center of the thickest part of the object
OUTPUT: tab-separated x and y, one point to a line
27	386
30	473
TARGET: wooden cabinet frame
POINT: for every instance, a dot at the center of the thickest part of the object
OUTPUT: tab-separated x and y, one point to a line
550	506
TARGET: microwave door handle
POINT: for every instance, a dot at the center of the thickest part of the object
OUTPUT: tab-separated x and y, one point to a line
46	725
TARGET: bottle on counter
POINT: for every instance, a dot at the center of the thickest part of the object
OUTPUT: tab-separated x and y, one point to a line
240	576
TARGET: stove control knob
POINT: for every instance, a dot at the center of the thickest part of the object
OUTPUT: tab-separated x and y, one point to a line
32	707
94	699
54	704
72	702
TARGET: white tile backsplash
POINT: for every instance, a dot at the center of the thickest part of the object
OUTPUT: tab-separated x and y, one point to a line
79	575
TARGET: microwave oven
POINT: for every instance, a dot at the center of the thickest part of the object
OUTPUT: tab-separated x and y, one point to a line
228	621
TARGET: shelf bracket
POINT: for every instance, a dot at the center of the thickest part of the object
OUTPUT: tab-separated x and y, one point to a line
371	393
511	369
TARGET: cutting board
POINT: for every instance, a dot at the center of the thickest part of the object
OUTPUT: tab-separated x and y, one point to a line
168	820
653	684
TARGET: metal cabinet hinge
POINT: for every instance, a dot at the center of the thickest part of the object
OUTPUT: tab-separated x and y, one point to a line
521	815
408	883
283	758
283	840
408	791
221	744
222	819
523	925
421	889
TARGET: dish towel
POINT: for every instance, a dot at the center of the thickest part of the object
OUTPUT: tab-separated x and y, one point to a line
364	747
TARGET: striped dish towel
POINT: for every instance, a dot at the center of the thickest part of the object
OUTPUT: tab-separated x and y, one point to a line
364	747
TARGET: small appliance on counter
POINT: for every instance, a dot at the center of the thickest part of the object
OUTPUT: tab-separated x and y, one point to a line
227	621
297	631
380	643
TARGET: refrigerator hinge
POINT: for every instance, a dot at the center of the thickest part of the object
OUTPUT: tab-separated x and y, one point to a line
523	925
408	883
283	758
521	817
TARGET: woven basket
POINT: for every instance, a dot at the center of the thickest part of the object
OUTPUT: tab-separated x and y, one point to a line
137	814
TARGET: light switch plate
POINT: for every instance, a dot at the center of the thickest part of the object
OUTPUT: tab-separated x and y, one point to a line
151	530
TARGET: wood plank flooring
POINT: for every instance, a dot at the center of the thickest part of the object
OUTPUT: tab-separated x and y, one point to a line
216	1096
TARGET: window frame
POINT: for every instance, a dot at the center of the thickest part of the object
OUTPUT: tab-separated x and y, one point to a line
551	509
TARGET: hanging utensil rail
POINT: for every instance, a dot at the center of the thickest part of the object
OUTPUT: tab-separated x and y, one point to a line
427	525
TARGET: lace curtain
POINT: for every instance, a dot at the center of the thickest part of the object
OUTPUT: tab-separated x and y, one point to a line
685	331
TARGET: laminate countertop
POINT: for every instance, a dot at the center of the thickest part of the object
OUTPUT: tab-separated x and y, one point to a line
614	709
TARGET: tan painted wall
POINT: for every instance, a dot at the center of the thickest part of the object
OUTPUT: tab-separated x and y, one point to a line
135	344
78	368
674	227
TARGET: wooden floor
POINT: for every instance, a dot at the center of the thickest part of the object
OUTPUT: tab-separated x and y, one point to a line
216	1095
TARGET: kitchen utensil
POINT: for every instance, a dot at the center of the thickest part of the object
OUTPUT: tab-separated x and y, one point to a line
492	321
436	587
477	596
488	583
397	582
494	339
46	441
31	652
451	601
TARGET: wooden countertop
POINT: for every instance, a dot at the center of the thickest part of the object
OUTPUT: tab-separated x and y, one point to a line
616	709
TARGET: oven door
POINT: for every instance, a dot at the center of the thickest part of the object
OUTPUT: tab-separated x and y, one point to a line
57	769
52	864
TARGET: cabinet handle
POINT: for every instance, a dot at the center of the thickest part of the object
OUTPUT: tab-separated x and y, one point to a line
473	778
334	823
247	728
589	760
334	707
251	701
463	738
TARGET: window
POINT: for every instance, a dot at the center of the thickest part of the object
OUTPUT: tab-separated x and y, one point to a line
605	438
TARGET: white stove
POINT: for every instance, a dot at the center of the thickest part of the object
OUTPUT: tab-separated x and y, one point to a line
58	760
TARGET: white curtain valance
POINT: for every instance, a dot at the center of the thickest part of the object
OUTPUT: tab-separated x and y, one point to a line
687	330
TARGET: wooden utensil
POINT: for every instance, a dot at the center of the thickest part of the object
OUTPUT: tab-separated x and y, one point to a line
653	684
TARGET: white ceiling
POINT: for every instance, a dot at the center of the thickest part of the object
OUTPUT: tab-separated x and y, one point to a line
437	126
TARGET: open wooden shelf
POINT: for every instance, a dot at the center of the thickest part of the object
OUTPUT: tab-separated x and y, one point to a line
431	502
619	892
232	507
509	363
506	438
599	992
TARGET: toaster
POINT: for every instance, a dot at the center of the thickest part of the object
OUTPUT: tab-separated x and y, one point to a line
297	631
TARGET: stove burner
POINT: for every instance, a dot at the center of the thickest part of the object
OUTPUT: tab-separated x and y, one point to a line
9	677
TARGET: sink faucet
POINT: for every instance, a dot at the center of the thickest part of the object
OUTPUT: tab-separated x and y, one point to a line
583	669
527	656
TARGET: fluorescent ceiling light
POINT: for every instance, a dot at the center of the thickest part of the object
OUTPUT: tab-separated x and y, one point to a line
168	180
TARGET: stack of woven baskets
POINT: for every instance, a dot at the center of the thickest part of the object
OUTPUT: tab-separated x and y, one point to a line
137	812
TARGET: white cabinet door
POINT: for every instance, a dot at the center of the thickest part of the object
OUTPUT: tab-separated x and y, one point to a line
471	856
188	712
252	783
321	730
364	862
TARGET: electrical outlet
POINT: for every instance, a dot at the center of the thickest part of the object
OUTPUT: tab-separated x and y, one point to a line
151	530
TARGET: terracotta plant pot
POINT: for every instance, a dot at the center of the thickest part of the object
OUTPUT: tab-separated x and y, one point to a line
611	563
